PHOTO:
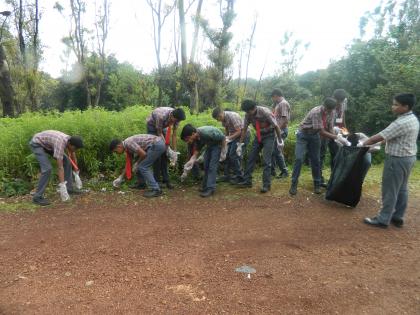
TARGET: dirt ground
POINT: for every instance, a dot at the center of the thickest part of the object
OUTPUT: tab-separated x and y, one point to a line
111	253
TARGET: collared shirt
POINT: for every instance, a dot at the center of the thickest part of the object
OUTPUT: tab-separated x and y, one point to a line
159	117
232	122
401	135
264	116
339	113
53	141
209	135
134	143
318	118
282	112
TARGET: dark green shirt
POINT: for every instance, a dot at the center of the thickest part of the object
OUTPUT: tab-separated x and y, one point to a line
209	136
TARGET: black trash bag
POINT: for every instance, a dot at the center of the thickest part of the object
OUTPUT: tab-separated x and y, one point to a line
351	165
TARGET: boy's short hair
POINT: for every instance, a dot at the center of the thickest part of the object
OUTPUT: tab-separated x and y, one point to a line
248	105
179	114
114	143
187	131
406	99
276	92
216	112
76	141
340	94
330	103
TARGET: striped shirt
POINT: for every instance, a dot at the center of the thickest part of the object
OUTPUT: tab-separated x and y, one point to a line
264	116
232	122
134	143
401	135
52	141
159	118
282	112
318	118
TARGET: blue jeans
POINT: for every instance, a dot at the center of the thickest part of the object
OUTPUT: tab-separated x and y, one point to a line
153	153
307	143
233	161
333	148
46	169
160	167
278	156
211	164
394	187
266	145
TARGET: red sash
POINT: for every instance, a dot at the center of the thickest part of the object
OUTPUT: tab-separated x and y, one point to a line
168	135
73	163
127	165
258	129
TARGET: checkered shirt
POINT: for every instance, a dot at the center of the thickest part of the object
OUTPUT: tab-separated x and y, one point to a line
282	112
401	136
314	120
233	121
159	117
53	141
134	143
264	116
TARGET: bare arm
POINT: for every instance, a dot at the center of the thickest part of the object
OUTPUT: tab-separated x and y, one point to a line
235	135
174	139
60	170
243	134
374	139
326	134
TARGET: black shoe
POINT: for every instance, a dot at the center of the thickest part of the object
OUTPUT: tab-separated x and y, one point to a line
375	222
323	184
223	179
397	222
284	175
317	190
201	189
244	184
207	193
293	189
138	186
40	201
74	191
152	193
234	181
265	189
169	185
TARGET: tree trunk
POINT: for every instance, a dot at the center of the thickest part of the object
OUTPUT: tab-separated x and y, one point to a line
6	89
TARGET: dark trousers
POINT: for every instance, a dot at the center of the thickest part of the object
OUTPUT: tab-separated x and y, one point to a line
333	148
266	145
232	164
307	143
278	156
46	169
211	164
160	166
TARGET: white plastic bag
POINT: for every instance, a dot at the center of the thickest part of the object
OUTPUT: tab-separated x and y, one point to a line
77	181
62	188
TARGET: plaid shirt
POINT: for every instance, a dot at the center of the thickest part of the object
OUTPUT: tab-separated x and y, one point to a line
232	122
401	135
159	117
282	112
264	116
339	113
134	143
314	120
52	141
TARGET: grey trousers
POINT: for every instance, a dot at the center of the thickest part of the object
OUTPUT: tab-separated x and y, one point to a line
394	187
45	164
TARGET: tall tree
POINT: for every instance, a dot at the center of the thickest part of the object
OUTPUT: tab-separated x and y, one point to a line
160	12
220	56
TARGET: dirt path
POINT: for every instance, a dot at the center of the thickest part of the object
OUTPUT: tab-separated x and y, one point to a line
119	254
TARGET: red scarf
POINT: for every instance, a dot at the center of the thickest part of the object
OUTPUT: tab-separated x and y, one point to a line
168	135
127	165
73	163
258	129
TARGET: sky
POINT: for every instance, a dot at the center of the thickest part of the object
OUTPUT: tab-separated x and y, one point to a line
327	25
